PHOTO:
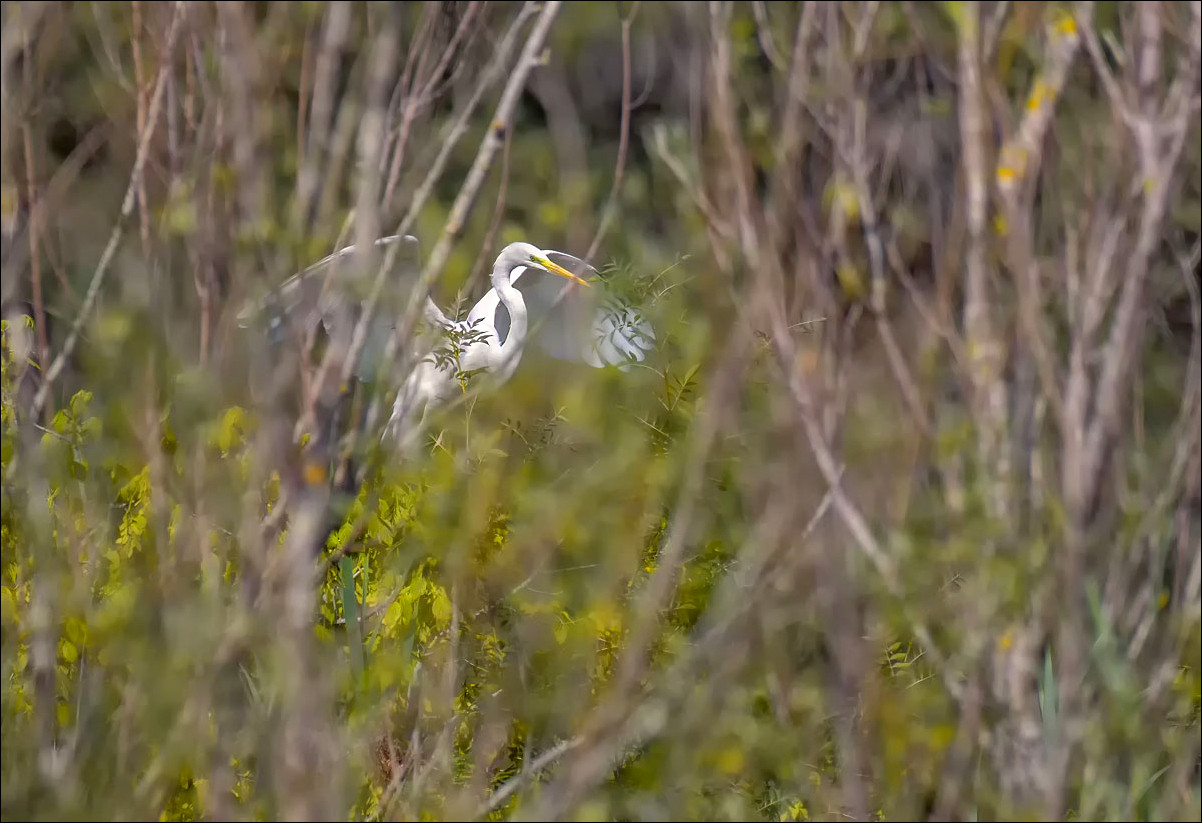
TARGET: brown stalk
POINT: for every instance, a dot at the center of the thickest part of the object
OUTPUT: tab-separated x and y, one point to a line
418	55
1021	158
726	125
784	197
611	204
35	260
763	32
127	206
876	260
985	348
140	96
304	90
50	197
490	236
413	103
1156	167
317	135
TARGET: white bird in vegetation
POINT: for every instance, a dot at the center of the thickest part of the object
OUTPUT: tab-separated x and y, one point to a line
575	321
477	345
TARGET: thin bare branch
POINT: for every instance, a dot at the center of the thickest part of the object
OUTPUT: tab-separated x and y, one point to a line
611	204
528	773
984	346
127	206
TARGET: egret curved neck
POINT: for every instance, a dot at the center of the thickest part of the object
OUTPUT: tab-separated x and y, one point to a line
512	299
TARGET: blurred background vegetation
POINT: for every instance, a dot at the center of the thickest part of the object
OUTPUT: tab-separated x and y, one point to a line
900	520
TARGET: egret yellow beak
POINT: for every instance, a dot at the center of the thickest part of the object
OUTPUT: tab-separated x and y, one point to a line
555	268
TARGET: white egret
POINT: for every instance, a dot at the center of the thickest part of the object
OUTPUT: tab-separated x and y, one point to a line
566	321
478	345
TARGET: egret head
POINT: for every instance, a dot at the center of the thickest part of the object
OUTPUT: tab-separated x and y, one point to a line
527	254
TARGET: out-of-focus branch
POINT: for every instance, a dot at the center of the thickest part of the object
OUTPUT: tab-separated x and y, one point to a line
726	126
490	236
1089	441
35	260
497	799
1020	156
415	101
993	29
335	32
305	748
784	197
242	70
371	139
405	93
984	346
611	207
140	98
127	206
611	204
367	214
676	167
1157	165
877	265
851	516
763	31
50	197
1019	163
570	141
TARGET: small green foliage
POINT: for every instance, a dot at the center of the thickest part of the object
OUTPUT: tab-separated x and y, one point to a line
456	341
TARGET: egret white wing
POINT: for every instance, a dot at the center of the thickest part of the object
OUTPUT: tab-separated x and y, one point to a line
309	296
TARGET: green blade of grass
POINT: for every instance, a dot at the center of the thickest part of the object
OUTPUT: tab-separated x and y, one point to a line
350	611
